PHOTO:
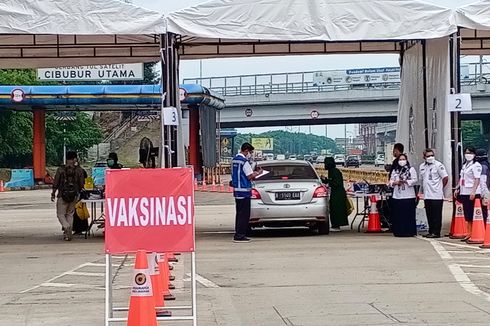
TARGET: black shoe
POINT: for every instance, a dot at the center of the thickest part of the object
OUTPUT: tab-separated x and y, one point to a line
428	235
241	240
433	236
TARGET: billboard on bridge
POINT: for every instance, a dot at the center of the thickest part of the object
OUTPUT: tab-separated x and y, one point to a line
263	144
357	76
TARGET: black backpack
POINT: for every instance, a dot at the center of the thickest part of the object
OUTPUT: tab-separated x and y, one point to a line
69	188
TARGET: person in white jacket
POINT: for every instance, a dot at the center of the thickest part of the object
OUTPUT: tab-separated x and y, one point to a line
403	179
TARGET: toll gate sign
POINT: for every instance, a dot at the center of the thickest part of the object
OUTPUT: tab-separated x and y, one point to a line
132	71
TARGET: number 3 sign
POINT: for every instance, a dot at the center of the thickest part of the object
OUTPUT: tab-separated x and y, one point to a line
170	116
459	102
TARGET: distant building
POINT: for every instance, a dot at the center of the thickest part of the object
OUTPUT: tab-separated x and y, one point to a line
367	132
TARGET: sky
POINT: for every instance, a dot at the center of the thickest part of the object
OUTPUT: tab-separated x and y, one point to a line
241	66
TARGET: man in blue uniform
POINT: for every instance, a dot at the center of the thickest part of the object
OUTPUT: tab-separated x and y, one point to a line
242	175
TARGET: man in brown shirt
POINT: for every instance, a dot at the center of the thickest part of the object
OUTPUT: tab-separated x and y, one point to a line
69	182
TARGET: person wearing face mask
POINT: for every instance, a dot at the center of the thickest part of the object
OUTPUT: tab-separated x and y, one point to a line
469	186
112	161
403	180
398	149
434	179
242	175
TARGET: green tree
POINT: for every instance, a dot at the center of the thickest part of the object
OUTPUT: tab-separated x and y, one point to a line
16	128
80	135
472	134
293	143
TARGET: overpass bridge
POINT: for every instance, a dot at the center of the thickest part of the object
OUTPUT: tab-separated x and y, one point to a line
294	99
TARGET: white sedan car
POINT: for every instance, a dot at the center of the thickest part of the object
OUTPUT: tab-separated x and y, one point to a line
291	194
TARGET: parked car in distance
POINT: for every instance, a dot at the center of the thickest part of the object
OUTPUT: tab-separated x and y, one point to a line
379	160
352	160
280	157
339	159
308	158
292	157
269	156
291	194
320	159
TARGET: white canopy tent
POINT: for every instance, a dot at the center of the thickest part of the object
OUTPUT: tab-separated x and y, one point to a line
417	30
474	21
47	33
221	28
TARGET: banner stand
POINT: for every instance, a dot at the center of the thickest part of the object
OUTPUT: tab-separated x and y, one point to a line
109	308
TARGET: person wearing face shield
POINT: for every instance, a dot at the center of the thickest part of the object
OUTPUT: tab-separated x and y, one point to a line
434	179
482	158
242	175
403	180
469	186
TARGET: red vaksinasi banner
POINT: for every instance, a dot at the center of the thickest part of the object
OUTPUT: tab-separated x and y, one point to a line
149	209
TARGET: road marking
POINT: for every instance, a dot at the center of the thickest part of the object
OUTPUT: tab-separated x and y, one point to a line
85	274
476	266
72	271
466	246
459	275
204	281
70	285
440	250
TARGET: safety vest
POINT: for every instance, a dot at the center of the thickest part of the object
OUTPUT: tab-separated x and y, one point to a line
242	187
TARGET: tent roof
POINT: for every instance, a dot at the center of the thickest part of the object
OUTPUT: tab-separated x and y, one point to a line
266	27
475	22
46	33
474	16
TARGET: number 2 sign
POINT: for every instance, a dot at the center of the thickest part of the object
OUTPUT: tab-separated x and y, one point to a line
459	102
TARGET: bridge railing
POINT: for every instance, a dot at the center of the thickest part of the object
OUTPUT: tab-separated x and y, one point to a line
297	82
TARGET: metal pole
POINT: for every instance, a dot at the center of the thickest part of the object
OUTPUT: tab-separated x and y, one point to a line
424	75
162	105
345	138
169	149
194	289
481	69
108	289
64	142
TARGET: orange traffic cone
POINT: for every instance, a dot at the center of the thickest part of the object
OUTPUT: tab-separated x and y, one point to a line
374	223
196	185
204	186
486	241
156	281
163	265
142	303
222	187
213	187
459	230
2	187
478	228
230	188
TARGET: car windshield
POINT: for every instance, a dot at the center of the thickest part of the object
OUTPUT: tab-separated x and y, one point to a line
287	172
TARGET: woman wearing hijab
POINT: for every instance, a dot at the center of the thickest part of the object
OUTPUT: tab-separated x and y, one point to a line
338	196
403	180
469	186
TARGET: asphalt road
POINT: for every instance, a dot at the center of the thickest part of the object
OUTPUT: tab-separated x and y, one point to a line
283	277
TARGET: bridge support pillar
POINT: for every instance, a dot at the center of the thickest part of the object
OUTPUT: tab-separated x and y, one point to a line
194	139
39	144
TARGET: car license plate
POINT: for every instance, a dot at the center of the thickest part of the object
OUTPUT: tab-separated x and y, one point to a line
288	195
